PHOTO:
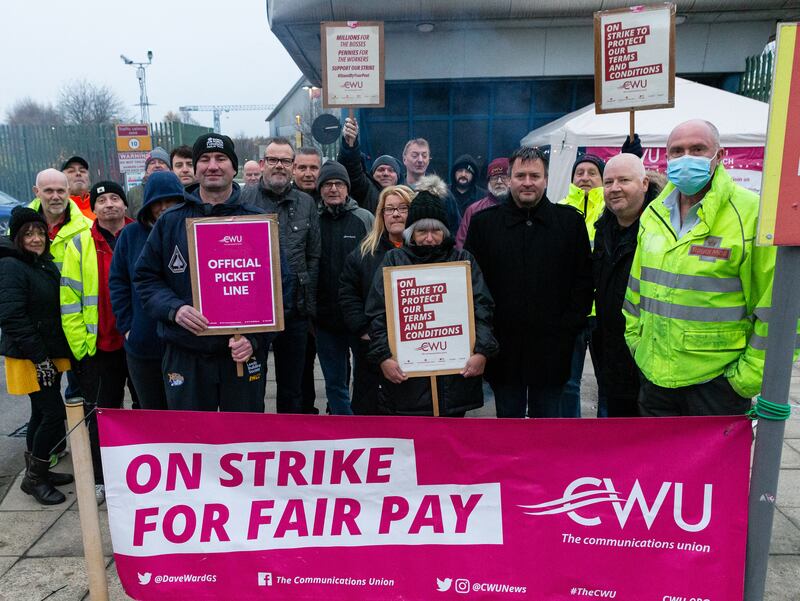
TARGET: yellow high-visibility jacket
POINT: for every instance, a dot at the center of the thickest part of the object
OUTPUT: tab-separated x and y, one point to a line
76	224
698	306
80	288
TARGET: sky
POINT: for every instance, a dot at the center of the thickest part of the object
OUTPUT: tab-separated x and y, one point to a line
204	52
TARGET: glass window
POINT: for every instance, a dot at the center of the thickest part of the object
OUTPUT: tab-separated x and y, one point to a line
395	102
471	137
431	100
470	99
553	96
386	138
584	94
506	135
512	98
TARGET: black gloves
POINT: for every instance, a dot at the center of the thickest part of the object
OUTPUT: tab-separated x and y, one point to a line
634	147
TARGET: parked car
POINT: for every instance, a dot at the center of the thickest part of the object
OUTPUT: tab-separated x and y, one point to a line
7	204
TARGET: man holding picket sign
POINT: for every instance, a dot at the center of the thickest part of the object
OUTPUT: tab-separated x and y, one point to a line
401	348
199	371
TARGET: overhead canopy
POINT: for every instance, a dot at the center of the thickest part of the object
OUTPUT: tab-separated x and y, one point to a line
741	122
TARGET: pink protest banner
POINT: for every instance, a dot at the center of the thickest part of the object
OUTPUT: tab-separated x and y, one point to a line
744	164
245	506
235	269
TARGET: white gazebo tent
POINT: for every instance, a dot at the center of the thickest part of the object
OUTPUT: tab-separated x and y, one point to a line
741	122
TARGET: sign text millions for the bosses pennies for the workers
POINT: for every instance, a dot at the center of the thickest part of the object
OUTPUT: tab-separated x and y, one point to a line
429	316
352	64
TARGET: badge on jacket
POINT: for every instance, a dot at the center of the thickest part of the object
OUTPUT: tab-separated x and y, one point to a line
711	250
177	264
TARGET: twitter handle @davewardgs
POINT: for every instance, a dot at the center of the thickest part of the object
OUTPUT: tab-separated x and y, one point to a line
148	577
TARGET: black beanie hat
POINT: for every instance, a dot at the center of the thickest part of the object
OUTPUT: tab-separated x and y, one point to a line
588	158
426	206
214	143
332	170
22	215
101	188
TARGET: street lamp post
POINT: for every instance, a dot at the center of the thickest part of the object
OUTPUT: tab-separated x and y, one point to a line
141	75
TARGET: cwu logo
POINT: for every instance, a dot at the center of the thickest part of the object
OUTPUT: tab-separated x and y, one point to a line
583	493
428	347
229	239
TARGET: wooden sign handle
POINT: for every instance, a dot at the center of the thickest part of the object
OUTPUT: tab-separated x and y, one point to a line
632	125
239	365
435	395
352	114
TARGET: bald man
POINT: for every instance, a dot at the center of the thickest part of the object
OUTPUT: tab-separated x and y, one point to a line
700	290
625	188
64	218
251	173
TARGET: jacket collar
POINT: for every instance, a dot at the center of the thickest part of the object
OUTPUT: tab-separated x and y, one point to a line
514	215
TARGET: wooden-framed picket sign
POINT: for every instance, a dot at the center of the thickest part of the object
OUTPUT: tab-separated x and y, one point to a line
235	268
634	59
430	320
352	59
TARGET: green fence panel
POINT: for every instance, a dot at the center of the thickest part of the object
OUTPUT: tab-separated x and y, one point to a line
27	149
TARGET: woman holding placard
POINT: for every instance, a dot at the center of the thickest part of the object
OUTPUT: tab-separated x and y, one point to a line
427	241
356	280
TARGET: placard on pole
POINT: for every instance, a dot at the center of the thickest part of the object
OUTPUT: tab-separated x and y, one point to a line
352	62
779	225
430	319
235	268
634	59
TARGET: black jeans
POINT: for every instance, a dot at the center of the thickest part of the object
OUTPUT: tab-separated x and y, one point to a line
289	348
715	397
46	425
148	381
367	380
309	390
102	380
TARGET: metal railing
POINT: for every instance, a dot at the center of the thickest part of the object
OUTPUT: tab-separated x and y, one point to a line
756	81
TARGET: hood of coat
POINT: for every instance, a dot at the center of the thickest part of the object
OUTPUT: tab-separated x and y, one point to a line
468	162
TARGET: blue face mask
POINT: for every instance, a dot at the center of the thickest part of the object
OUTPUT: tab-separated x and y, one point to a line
689	173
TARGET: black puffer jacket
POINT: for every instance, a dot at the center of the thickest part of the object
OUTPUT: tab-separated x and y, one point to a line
298	224
342	230
456	393
355	284
30	308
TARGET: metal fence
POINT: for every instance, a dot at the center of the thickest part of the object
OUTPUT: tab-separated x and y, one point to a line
27	149
756	81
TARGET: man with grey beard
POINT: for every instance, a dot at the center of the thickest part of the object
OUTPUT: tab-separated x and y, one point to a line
497	185
300	239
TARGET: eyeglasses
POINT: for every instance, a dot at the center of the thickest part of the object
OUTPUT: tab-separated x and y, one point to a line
334	184
273	161
390	210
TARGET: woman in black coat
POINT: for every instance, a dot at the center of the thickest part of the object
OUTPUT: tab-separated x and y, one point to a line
34	345
427	241
354	285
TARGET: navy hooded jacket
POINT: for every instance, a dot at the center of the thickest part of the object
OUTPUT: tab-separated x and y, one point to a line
142	341
162	277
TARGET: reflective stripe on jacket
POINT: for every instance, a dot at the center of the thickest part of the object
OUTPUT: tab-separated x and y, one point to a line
79	295
698	306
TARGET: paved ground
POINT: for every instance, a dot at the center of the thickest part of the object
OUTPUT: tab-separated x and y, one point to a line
41	555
